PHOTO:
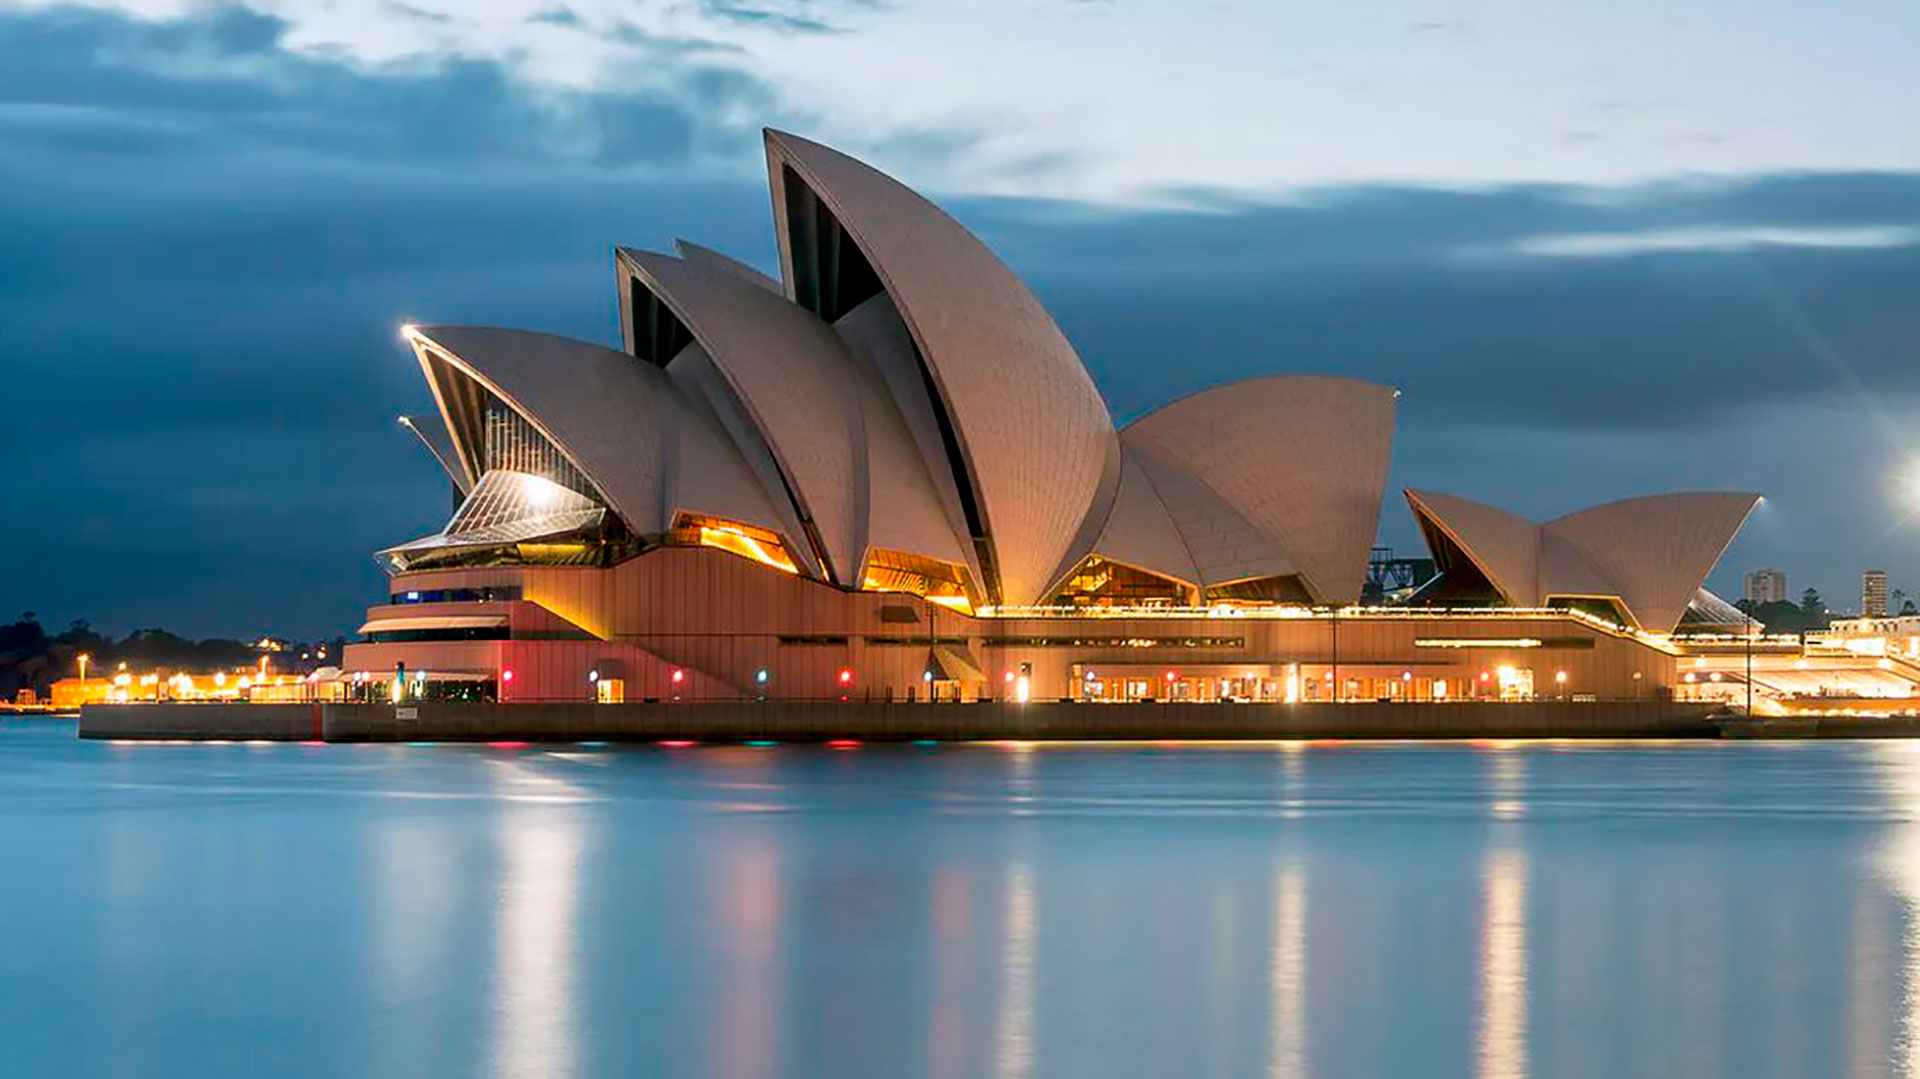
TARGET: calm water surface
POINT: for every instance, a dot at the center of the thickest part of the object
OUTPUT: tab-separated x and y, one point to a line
1329	910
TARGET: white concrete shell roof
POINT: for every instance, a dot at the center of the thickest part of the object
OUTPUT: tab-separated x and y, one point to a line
622	424
1302	458
1651	553
1503	546
1034	437
795	382
916	507
1140	531
714	260
1659	548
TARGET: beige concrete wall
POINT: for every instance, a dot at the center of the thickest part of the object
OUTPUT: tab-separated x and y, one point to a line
723	618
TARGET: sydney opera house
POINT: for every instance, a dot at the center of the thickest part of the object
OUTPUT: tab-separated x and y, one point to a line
887	476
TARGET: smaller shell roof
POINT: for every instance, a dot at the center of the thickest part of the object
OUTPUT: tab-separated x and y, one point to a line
1504	546
1657	548
621	423
1303	458
1651	553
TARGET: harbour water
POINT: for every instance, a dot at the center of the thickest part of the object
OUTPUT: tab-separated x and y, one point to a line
1512	909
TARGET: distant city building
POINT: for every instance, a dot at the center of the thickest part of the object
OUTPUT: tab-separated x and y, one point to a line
1766	586
1873	593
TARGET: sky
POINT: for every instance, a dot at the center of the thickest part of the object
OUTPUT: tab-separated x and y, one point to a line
1604	249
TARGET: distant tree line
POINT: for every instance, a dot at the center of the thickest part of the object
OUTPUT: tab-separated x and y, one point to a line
31	658
1810	615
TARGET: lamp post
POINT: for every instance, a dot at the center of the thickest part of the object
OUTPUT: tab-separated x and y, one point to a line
1749	628
1333	621
85	658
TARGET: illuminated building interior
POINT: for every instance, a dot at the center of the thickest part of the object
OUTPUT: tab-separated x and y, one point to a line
1101	582
916	575
747	541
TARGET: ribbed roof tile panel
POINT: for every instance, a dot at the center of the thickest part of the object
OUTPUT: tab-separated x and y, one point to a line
1032	428
1304	458
1141	532
1657	549
1225	546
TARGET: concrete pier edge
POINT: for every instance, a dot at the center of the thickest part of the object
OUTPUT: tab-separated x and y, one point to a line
816	721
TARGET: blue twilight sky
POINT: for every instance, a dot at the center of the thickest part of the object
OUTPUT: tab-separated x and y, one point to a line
1604	248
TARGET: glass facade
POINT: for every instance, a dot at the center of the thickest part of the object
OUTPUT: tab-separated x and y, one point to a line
514	445
898	571
1102	583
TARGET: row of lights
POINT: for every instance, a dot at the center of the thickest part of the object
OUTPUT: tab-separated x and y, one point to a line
1021	683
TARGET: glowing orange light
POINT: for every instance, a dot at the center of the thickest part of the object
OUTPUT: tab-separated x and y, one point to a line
1171	675
679	676
738	542
846	676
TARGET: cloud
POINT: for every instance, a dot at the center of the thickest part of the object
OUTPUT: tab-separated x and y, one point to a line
771	17
123	86
1707	239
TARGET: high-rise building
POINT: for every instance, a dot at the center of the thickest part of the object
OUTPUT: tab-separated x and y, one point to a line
1765	586
1873	593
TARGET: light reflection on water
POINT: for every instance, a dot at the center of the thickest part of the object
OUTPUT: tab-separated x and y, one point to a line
1494	909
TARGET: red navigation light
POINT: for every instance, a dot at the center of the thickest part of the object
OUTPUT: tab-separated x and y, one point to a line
846	676
1171	675
679	676
843	743
508	745
675	743
1485	677
506	675
1009	678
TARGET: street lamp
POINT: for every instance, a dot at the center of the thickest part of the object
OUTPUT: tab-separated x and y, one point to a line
1751	622
85	658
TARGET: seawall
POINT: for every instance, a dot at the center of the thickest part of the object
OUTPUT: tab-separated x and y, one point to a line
801	721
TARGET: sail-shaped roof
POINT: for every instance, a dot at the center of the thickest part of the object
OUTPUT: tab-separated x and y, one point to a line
1303	458
1029	438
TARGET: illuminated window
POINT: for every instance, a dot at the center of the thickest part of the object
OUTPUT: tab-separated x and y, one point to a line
745	540
1605	608
939	582
1099	582
1260	591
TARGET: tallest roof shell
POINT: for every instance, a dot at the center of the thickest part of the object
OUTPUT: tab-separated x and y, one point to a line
1032	441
